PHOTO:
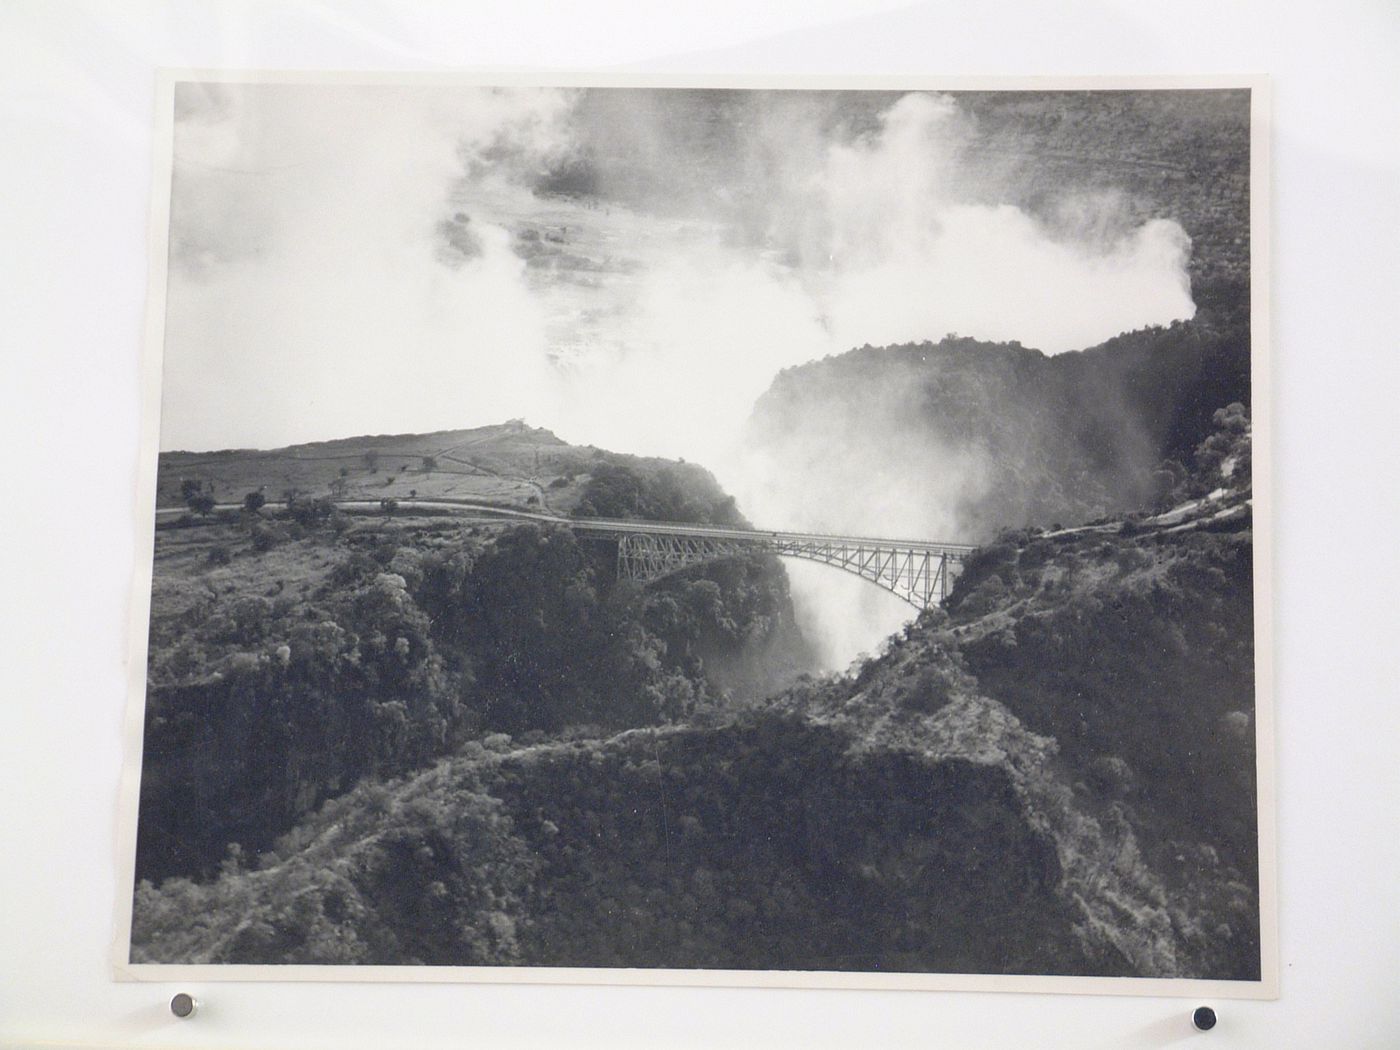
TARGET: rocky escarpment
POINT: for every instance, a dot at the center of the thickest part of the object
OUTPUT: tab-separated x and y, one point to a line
296	650
963	438
768	843
1054	775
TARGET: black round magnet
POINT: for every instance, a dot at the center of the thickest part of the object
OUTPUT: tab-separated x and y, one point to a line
1203	1018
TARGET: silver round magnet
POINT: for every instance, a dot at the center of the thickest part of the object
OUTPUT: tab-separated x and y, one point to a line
183	1005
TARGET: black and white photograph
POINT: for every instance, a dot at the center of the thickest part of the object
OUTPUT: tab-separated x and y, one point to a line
682	531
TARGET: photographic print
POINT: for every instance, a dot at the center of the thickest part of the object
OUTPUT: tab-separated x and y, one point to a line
770	533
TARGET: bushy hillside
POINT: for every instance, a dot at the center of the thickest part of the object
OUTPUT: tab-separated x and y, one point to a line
295	650
1128	649
769	843
1053	775
981	436
508	464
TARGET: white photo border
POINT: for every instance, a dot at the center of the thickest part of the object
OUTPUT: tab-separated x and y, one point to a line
1266	988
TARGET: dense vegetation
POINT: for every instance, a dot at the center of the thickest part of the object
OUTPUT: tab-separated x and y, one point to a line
766	843
304	652
616	489
1016	437
1053	774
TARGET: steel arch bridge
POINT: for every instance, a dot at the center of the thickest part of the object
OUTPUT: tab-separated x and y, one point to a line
919	572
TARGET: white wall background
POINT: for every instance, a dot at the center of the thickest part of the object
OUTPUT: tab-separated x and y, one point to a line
75	116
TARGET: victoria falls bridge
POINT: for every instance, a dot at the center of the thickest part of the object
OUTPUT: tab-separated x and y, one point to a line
918	571
921	572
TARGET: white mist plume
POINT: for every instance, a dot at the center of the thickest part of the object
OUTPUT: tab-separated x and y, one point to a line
310	296
306	297
888	250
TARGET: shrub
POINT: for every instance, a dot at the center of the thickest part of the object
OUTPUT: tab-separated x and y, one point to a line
929	692
266	536
310	513
198	495
989	594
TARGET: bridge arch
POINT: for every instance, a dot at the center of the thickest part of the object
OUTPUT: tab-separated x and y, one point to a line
918	573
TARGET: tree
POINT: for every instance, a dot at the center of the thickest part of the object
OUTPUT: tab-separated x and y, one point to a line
254	501
429	463
310	512
388	505
198	495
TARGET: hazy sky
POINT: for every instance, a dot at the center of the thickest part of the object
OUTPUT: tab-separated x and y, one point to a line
628	268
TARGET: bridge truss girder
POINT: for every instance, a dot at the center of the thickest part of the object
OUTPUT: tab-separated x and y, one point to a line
920	576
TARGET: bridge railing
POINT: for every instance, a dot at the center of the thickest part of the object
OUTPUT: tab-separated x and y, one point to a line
724	532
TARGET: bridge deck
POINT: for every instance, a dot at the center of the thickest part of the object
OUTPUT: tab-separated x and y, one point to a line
627	525
721	532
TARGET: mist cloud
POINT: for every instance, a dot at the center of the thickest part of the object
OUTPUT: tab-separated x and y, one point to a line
321	283
307	296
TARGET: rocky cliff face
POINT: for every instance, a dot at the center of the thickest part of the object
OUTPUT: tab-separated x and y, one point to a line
296	651
1054	775
960	438
1109	672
